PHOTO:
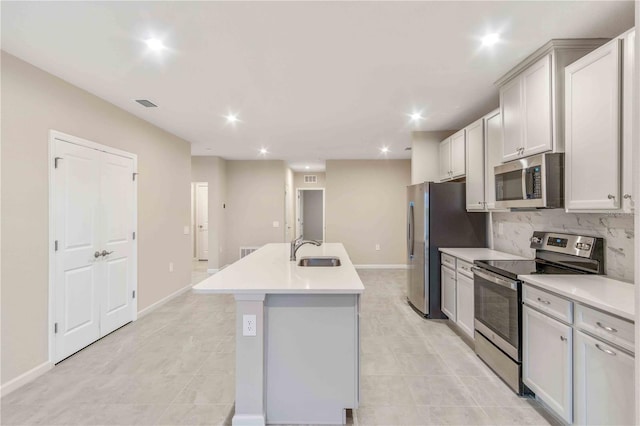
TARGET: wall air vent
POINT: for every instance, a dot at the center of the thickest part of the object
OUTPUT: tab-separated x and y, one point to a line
310	179
146	103
246	251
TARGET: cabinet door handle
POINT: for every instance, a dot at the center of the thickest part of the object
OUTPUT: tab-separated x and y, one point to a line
546	302
606	351
604	327
626	196
564	339
611	197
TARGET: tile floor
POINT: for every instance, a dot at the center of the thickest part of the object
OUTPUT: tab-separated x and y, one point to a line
175	366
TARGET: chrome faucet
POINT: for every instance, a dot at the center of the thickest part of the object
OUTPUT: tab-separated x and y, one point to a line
299	242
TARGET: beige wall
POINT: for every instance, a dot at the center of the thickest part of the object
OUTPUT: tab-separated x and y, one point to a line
365	206
213	170
425	159
33	102
255	199
298	180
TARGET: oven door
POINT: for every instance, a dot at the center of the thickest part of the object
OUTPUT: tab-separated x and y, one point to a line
497	310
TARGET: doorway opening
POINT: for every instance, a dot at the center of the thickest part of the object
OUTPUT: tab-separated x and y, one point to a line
310	213
199	229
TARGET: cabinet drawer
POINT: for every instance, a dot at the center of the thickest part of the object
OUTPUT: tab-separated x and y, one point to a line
448	261
605	326
554	306
464	268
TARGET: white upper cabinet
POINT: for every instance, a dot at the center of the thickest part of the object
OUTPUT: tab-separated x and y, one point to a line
458	160
512	122
598	132
532	99
536	108
628	69
475	166
445	159
493	157
592	159
452	156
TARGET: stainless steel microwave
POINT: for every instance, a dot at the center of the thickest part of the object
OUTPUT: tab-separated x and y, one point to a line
532	182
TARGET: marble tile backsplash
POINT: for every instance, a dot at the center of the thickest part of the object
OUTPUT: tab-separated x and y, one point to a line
512	230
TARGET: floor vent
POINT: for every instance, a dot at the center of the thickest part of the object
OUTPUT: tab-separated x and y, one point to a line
246	251
310	179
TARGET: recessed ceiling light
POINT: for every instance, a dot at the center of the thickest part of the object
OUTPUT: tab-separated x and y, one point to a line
232	118
154	44
490	39
307	167
416	116
384	149
264	151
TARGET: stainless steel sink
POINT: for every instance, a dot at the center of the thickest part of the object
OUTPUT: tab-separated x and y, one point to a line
319	261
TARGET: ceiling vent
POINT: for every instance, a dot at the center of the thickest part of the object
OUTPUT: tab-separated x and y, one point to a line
146	103
310	179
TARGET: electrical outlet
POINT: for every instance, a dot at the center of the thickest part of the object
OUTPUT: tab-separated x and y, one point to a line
248	325
170	266
276	224
378	247
185	231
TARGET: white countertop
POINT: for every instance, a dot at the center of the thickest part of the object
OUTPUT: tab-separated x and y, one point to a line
268	270
473	254
606	294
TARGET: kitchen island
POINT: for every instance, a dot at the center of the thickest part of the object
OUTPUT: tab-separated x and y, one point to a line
297	335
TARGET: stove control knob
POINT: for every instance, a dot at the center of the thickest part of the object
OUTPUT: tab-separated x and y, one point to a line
536	240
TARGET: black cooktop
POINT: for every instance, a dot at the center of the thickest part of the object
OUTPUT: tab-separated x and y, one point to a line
513	268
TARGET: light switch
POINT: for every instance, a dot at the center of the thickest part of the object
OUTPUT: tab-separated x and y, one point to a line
276	224
186	230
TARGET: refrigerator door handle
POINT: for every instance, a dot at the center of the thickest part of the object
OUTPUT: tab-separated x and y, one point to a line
410	232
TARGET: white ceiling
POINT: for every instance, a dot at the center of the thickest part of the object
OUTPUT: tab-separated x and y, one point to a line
310	81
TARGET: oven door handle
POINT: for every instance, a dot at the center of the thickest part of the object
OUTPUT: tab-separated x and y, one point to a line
512	285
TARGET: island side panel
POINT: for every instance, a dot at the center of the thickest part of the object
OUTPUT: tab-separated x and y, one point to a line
312	357
250	374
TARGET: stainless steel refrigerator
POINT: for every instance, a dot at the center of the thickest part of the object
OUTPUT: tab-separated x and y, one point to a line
436	217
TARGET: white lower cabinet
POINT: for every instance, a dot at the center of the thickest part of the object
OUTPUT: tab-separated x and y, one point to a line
604	388
448	290
464	304
547	360
589	381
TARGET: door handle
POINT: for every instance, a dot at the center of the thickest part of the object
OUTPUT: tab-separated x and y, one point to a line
105	253
96	254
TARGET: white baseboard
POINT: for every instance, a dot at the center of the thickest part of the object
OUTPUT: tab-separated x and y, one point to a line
162	301
248	420
385	266
25	378
212	271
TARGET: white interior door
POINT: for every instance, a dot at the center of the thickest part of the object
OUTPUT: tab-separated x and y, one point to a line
202	220
300	215
116	225
94	265
77	270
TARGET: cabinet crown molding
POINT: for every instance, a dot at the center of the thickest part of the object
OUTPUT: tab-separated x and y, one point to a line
553	45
